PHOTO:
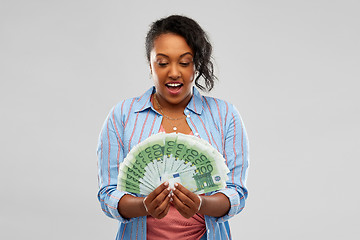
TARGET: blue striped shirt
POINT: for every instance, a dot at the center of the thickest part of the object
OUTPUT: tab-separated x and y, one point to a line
133	120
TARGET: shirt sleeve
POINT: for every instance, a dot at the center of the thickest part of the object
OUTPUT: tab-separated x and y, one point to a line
110	153
237	159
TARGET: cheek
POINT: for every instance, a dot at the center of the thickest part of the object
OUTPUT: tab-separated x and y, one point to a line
159	73
155	74
190	76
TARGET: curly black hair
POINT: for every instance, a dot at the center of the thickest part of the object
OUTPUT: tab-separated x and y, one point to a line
195	37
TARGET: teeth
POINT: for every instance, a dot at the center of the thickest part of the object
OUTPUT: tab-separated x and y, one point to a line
174	84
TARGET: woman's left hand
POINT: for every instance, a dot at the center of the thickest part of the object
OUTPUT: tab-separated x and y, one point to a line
185	201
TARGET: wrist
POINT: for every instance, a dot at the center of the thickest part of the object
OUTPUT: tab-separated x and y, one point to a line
200	204
130	206
144	205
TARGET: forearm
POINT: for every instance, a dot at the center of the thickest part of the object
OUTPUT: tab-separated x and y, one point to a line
216	205
130	206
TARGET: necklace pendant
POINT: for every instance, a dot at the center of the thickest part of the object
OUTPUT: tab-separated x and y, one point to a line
174	128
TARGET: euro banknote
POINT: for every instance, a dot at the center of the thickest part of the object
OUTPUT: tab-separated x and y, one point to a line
172	157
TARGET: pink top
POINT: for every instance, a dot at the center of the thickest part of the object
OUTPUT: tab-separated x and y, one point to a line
175	226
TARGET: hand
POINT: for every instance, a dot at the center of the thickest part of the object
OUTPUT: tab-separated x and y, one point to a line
185	201
157	202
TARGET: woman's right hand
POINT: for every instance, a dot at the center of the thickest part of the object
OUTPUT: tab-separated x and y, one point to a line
157	203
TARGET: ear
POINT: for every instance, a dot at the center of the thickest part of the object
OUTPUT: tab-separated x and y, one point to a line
150	73
150	68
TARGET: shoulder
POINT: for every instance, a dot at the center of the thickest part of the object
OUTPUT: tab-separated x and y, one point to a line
224	113
221	106
125	105
131	105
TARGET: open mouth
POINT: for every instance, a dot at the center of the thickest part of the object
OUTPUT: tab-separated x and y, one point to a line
173	86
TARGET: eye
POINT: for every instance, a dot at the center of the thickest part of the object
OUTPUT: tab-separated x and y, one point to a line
184	64
162	64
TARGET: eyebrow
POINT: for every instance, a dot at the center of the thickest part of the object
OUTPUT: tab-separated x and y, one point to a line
164	55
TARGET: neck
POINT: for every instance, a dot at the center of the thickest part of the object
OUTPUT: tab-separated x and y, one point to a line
172	107
172	112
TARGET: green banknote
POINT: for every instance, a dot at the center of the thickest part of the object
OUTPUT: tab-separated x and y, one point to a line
202	180
153	151
170	144
136	164
173	157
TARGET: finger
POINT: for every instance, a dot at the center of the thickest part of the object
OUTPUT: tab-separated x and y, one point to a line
166	206
187	192
183	189
157	191
178	204
182	208
186	196
157	201
161	206
161	196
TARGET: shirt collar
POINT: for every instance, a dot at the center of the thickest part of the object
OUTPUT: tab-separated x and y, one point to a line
196	104
143	102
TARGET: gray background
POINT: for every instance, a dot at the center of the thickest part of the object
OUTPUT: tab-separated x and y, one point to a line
291	68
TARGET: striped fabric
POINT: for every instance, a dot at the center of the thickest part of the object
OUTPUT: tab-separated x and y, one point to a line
133	120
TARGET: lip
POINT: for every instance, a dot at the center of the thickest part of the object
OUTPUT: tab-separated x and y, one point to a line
174	91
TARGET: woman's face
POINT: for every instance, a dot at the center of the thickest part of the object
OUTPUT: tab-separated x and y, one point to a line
172	69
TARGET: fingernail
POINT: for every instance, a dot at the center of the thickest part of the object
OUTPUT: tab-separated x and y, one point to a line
166	184
171	199
169	195
175	184
172	194
168	189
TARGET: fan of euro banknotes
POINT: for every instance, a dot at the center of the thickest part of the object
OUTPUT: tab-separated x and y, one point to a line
176	158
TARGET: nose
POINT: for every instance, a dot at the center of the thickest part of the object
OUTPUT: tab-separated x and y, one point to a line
174	72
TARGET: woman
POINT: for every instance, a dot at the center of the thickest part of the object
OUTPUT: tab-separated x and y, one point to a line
179	56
